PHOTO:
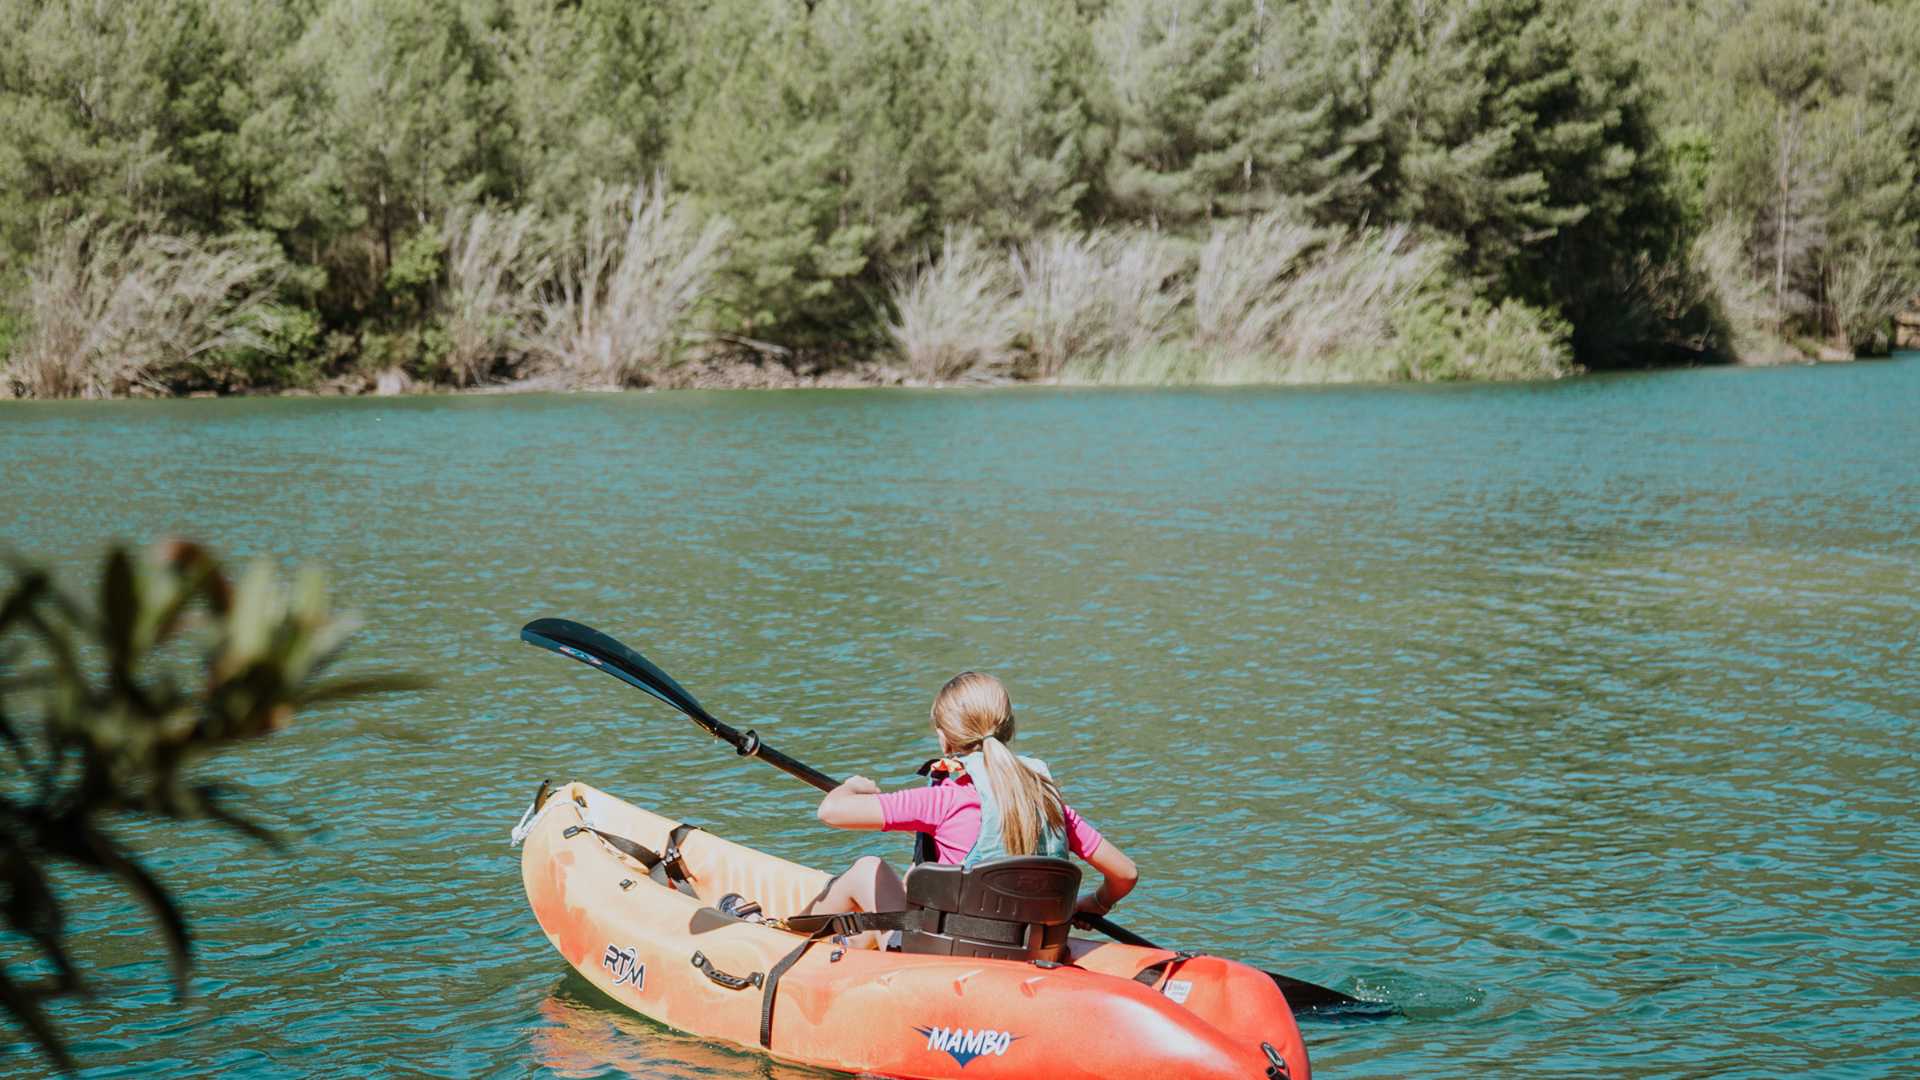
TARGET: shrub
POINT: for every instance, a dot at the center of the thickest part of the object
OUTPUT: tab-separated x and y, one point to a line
955	314
495	261
288	352
109	311
1086	297
1277	300
107	711
1435	340
627	284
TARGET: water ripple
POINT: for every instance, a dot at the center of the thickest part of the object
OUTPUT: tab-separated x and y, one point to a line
1577	720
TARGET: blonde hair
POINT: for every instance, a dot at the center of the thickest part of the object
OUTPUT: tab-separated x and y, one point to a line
974	712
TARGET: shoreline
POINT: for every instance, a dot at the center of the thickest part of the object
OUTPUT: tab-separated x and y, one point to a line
866	375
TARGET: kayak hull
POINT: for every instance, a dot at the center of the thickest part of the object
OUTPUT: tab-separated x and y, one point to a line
677	959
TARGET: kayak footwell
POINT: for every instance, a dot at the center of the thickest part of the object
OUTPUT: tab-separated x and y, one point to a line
677	959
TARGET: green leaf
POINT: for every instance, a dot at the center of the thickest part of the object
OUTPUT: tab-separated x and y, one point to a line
24	1006
88	845
120	614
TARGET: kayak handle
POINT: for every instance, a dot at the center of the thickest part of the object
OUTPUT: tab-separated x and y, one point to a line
731	982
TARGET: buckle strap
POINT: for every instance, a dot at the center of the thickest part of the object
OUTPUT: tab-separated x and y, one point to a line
849	922
1150	975
637	852
773	973
672	865
666	868
816	928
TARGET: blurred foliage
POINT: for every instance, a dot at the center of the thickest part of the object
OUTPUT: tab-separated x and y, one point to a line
1569	154
106	710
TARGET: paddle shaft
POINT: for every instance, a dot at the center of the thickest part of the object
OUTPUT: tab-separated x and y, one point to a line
748	744
589	646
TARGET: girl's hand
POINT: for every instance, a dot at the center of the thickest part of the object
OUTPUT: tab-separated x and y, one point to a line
855	804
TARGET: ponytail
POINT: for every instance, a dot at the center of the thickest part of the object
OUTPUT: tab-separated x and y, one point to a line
1029	800
973	710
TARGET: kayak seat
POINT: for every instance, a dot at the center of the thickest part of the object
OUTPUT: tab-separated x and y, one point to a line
1015	908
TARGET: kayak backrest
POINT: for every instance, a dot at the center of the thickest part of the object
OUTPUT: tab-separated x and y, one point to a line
1015	908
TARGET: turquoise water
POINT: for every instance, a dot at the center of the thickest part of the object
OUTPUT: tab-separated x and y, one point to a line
1576	718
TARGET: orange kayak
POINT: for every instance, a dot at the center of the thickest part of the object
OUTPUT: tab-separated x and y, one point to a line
662	949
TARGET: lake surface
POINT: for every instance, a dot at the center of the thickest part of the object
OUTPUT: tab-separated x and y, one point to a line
1577	718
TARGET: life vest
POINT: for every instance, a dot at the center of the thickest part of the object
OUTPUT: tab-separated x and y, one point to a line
989	844
990	904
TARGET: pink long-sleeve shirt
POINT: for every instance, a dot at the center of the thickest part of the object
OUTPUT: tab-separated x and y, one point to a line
951	812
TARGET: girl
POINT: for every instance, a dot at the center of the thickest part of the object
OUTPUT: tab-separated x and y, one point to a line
991	804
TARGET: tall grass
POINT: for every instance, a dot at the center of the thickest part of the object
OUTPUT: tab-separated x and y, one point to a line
955	315
1268	299
1277	300
495	263
1239	283
1089	298
109	311
627	285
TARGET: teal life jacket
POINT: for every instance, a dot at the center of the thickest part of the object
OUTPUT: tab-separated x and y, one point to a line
988	845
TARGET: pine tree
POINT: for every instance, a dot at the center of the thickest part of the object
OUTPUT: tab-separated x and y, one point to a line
1010	123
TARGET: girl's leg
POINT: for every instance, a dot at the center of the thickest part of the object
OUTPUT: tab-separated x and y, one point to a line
868	885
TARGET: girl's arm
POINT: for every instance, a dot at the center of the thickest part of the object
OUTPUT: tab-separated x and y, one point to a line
1119	877
855	804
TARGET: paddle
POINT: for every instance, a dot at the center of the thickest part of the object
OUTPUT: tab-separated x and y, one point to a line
590	646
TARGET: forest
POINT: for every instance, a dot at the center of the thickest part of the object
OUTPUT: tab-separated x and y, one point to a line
243	195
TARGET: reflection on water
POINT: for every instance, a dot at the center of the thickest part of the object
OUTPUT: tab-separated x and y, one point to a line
1577	719
582	1034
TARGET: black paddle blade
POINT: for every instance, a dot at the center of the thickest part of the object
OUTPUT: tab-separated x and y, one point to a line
590	646
1327	1003
1302	996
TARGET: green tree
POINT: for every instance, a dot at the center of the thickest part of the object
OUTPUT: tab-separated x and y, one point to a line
590	92
1018	150
114	110
404	118
808	139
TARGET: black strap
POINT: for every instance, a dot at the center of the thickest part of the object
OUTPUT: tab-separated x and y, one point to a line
850	922
817	927
637	852
672	864
779	969
665	868
923	847
979	928
1149	976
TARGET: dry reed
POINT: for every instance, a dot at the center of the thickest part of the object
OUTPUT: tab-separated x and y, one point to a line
627	285
109	311
495	262
1087	298
1278	300
955	315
